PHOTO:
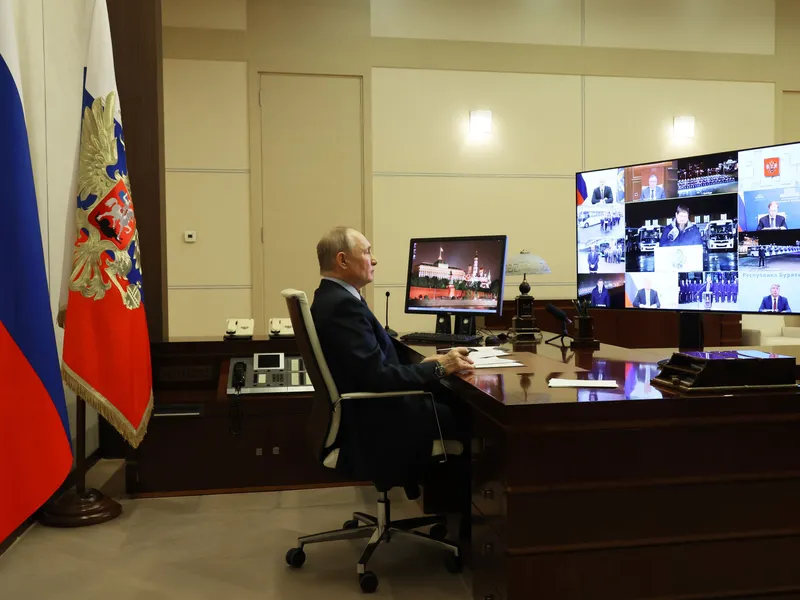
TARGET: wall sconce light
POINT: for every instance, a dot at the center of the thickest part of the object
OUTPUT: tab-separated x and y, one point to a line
480	122
683	127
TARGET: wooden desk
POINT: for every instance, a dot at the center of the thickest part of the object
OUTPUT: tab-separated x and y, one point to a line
628	493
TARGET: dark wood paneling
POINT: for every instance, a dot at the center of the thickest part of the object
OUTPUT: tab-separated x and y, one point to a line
136	35
631	328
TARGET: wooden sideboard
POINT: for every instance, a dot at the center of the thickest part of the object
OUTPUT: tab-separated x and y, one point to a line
189	446
631	328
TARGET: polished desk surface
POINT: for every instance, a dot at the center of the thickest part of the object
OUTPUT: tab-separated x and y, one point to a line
632	369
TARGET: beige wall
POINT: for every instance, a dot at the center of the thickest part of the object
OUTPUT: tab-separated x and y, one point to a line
569	89
206	147
52	36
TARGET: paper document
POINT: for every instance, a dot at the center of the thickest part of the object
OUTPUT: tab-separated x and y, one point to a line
496	365
583	383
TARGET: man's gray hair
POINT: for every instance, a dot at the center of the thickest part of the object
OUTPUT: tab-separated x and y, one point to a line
338	239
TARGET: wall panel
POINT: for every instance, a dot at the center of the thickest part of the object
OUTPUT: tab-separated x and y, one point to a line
629	120
202	312
205	115
556	22
217	207
420	122
729	26
205	14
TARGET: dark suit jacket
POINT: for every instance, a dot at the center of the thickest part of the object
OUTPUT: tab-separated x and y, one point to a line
763	222
602	194
385	440
640	298
766	304
601	298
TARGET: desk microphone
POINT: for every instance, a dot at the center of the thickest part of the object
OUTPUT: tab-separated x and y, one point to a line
561	316
389	330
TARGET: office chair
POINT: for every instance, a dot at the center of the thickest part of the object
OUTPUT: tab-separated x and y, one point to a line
322	430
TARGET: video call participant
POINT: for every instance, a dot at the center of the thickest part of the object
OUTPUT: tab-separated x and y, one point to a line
600	295
774	302
646	297
602	192
594	259
762	256
772	220
680	232
653	191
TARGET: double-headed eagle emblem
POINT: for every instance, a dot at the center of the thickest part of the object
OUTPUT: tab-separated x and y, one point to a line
107	244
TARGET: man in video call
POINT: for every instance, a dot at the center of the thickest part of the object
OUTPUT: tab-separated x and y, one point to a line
680	232
774	302
602	192
653	191
762	255
646	297
600	295
594	259
772	220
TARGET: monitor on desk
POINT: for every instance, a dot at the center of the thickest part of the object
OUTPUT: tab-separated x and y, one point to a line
458	275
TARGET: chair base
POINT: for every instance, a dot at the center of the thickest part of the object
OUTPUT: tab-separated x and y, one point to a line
380	529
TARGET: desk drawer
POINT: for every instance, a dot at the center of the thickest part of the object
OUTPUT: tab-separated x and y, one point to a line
488	468
489	561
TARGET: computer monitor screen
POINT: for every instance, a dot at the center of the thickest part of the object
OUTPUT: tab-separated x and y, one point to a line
717	232
456	275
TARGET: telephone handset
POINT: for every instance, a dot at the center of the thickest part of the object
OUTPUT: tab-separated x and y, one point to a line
281	328
239	380
239	375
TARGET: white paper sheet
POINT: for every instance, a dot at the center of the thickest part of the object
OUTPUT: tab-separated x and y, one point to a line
583	383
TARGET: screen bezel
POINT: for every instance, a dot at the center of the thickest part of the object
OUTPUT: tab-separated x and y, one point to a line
679	158
469	238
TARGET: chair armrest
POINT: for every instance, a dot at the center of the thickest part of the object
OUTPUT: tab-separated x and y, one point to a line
360	395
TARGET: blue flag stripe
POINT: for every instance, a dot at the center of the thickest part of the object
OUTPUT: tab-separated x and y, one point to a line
24	297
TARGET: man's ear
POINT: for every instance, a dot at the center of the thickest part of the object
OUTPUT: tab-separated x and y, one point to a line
341	259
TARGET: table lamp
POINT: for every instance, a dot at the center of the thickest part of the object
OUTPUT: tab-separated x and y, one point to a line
524	323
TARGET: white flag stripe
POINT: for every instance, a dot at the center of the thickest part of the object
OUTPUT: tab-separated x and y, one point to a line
8	44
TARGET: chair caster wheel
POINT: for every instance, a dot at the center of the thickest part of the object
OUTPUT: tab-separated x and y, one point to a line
453	564
295	557
351	524
368	582
439	532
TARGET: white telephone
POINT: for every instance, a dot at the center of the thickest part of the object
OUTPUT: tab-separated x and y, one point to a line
239	328
281	328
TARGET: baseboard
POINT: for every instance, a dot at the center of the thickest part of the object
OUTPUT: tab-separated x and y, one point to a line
69	482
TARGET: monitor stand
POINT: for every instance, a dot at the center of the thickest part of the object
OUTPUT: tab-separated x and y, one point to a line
690	331
465	325
443	324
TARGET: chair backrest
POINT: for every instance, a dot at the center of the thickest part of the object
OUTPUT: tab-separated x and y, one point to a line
323	425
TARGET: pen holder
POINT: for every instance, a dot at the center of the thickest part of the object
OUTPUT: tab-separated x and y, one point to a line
584	333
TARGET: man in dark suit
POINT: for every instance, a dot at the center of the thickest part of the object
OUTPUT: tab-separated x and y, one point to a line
594	259
646	297
774	302
762	256
602	192
653	191
600	296
772	220
388	439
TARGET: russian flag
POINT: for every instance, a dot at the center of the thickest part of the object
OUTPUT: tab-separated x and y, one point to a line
35	449
580	189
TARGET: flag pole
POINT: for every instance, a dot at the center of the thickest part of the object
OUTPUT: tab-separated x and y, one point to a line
79	506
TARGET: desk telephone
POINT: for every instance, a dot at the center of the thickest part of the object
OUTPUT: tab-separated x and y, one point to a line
281	328
268	373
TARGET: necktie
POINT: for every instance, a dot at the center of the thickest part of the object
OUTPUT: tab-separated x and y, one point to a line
652	194
774	305
772	223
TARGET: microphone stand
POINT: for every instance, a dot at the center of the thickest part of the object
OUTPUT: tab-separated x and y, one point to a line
564	333
391	332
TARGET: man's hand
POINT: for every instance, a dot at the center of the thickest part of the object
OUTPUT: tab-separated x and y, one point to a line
454	361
